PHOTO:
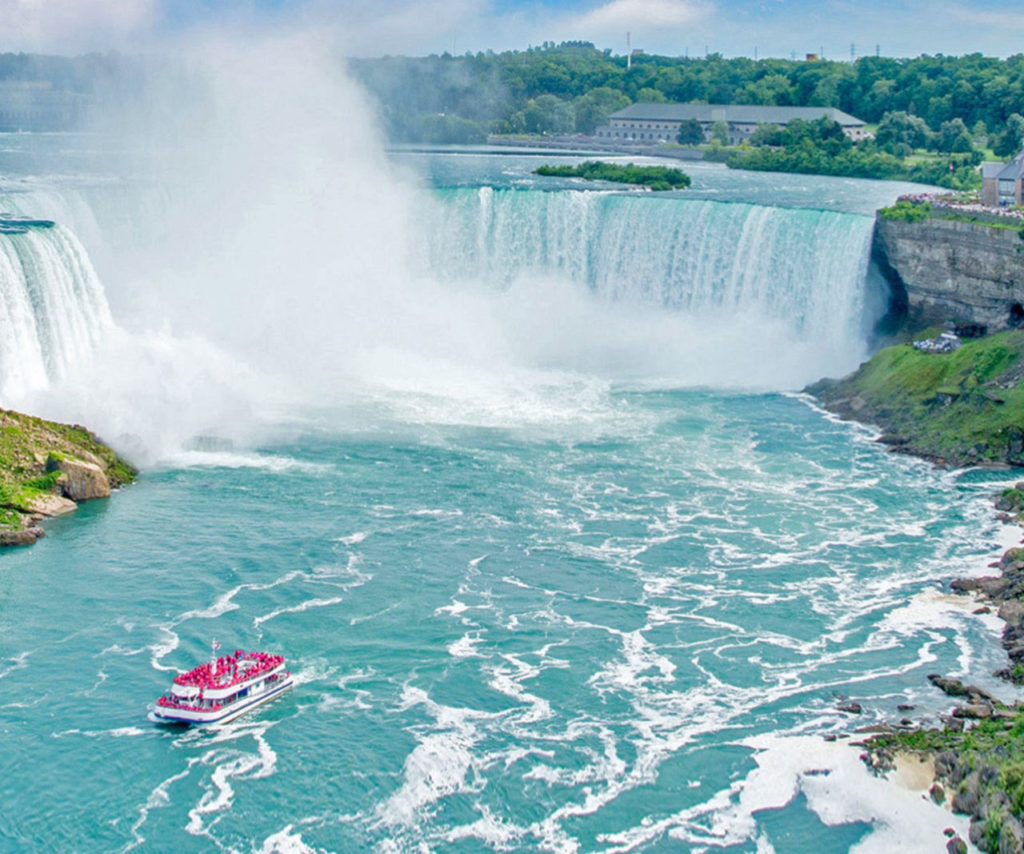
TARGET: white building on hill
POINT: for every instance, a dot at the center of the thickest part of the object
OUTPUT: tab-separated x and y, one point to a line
650	123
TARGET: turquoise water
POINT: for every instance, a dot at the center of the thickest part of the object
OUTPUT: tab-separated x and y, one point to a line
550	574
501	638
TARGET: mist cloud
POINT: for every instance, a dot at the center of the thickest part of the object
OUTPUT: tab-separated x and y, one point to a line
73	24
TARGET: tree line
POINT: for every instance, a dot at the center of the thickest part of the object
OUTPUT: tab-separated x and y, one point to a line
820	147
573	87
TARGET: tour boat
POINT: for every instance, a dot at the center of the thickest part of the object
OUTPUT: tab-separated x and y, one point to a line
223	688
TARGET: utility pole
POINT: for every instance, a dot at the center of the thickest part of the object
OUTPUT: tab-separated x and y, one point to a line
853	51
629	50
878	50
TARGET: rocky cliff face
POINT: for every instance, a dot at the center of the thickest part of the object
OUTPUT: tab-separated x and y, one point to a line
45	468
970	273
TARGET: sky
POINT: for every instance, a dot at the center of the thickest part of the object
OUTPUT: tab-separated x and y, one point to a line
762	28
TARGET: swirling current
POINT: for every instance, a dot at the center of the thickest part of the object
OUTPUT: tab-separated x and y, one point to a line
544	604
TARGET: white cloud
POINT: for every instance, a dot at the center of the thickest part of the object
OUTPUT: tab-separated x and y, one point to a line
375	28
72	24
992	18
649	15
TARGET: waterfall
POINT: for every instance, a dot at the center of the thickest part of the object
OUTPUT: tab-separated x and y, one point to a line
52	308
729	293
805	268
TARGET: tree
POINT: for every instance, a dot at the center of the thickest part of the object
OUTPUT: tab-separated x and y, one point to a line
768	135
549	114
720	131
953	136
594	107
691	132
901	127
1010	141
647	95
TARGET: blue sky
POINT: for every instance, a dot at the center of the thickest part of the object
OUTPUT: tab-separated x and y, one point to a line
674	27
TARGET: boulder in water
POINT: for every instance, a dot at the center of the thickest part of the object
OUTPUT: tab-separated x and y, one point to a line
24	537
48	504
79	481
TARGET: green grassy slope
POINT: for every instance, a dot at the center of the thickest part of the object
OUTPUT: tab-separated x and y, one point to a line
960	408
27	443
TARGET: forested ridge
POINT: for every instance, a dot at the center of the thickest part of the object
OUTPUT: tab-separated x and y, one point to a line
571	88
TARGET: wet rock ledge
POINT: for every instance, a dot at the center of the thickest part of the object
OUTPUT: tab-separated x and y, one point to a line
46	468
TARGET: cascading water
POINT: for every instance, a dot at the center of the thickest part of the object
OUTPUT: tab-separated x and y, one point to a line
805	268
544	607
619	286
52	308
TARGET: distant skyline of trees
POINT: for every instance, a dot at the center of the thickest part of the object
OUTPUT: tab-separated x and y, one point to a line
572	88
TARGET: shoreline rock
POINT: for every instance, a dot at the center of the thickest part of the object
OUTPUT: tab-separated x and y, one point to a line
46	468
943	408
979	753
961	408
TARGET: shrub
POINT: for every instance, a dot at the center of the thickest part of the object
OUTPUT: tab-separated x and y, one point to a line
905	211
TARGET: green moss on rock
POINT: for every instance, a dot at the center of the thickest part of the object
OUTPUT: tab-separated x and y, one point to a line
983	766
30	451
960	408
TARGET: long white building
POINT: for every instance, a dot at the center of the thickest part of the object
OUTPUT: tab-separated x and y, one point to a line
649	123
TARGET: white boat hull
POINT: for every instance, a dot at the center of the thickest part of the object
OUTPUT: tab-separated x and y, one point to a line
165	715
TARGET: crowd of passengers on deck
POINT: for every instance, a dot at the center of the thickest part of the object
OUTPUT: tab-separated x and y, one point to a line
229	670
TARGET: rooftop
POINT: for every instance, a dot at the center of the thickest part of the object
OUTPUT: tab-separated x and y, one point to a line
1013	170
739	113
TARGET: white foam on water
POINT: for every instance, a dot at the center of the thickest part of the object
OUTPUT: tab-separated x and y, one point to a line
509	681
18	662
465	647
225	603
163	648
232	460
159	798
437	513
353	539
437	766
297	609
315	671
494	832
839	789
454	609
354	621
228	765
121	732
350	571
285	842
117	649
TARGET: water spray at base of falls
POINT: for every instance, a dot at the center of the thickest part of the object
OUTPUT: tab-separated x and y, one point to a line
279	264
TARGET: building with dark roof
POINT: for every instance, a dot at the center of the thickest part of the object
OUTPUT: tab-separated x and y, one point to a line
651	123
1003	183
37	106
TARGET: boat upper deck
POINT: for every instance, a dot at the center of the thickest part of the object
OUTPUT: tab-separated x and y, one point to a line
224	675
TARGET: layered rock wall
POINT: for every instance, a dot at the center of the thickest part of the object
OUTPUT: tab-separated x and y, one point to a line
966	272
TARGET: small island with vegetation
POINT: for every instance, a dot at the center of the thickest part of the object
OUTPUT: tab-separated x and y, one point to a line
45	469
658	178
